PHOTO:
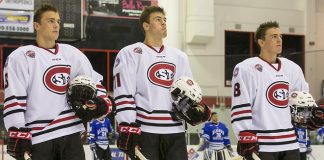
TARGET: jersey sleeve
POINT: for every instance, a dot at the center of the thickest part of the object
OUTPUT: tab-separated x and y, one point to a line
124	71
205	132
227	140
298	80
98	78
242	96
15	76
92	132
185	69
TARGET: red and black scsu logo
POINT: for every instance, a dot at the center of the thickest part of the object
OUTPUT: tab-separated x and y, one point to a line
161	74
277	94
56	78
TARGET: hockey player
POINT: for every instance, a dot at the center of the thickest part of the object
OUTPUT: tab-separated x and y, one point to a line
261	117
100	129
215	133
143	74
36	113
320	135
304	142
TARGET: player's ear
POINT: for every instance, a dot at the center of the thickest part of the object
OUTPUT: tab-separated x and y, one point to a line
36	25
146	26
261	42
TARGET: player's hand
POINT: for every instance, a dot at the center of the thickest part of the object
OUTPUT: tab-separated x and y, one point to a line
191	112
309	150
95	107
19	142
317	118
247	144
128	138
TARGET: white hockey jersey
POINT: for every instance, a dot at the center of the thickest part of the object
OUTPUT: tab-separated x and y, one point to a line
142	78
260	92
36	81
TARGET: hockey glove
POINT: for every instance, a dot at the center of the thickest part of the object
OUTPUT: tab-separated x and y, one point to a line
316	119
94	108
128	138
19	142
309	150
191	112
247	144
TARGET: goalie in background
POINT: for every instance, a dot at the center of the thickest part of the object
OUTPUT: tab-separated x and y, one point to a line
100	133
215	137
143	75
36	113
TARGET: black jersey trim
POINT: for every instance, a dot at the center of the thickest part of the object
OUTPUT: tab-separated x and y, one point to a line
125	109
159	124
57	128
123	96
154	111
241	118
39	122
275	130
278	143
13	112
241	106
15	97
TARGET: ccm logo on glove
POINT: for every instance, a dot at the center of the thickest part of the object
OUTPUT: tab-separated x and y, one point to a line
127	129
20	135
247	137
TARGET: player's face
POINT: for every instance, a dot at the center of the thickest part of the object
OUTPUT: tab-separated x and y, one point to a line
273	41
49	26
157	25
214	118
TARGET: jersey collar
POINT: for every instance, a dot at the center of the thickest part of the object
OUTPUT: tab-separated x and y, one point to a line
56	48
277	61
161	49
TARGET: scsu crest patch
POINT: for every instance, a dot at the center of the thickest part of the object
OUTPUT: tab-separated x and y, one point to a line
258	67
161	74
277	94
56	78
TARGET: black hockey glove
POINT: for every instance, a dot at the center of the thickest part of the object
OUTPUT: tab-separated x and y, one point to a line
19	142
128	138
247	144
93	108
191	112
316	119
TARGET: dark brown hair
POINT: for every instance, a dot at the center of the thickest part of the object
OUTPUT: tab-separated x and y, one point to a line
44	8
262	29
145	16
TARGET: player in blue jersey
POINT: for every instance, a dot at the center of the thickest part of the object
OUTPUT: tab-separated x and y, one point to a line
215	134
100	129
304	143
320	135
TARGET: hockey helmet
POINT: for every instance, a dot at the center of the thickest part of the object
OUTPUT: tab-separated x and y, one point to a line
83	81
301	104
186	87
